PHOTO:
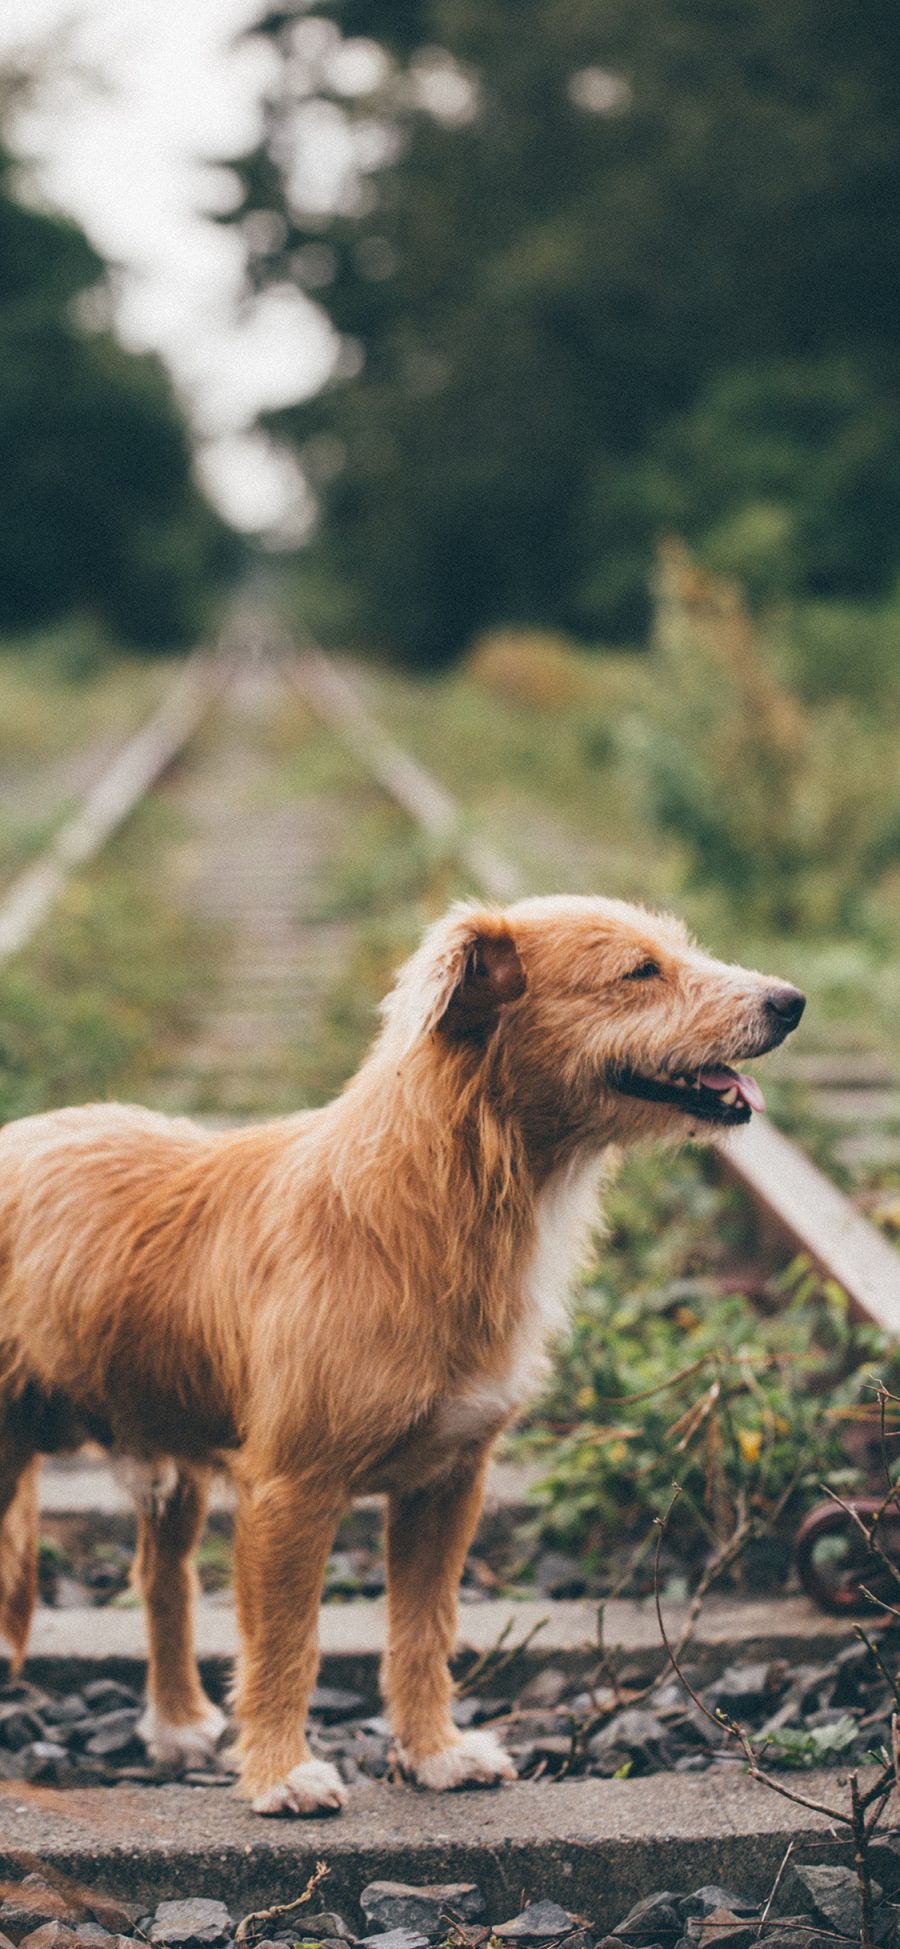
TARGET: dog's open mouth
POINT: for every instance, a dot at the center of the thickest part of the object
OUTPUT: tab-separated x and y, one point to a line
717	1095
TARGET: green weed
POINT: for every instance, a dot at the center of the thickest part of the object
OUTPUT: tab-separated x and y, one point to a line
681	1366
53	697
810	1746
109	980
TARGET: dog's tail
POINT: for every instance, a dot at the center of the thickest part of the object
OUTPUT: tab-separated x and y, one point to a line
18	1558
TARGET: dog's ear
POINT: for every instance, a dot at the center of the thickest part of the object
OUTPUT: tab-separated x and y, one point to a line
462	974
491	974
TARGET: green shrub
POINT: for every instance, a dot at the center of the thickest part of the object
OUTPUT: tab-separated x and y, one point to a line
841	649
535	668
744	1398
794	810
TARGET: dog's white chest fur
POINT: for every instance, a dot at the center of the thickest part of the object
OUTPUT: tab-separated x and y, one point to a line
566	1215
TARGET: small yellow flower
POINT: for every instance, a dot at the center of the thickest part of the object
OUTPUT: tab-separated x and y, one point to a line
750	1443
686	1317
584	1399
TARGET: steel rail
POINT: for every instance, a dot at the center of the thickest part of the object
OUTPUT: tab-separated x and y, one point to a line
139	765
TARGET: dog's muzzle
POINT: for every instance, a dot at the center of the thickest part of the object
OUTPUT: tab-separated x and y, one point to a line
718	1094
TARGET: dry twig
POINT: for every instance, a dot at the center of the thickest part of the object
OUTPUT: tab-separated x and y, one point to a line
775	1887
255	1924
867	1530
855	1822
495	1660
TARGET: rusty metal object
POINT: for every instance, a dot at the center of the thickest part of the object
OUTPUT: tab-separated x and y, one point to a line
839	1576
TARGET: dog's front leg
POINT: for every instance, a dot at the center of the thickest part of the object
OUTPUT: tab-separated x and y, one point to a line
283	1538
19	1471
428	1534
180	1725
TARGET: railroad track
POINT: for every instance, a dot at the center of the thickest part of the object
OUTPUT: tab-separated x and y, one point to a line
254	890
259	874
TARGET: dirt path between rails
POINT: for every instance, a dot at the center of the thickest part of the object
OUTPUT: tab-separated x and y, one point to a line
254	868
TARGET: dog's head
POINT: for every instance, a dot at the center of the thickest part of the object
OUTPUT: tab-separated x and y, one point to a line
592	1018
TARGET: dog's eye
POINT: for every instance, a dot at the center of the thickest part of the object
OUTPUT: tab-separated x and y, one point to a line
645	972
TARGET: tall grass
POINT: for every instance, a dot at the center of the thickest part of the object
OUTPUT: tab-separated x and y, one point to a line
58	690
792	807
112	979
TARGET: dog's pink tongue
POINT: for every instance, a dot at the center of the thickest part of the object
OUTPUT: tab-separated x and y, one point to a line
724	1079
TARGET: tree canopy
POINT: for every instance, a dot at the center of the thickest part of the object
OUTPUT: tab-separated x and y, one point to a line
600	269
99	511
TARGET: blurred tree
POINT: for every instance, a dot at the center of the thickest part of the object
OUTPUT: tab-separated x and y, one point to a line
563	225
99	511
789	471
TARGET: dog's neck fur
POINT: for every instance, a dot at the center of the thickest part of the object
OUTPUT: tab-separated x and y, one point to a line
459	1178
464	1249
469	1187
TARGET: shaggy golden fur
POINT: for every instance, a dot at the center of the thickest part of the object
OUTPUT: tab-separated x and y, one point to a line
356	1298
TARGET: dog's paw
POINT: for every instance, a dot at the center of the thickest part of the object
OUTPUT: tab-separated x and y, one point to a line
192	1744
475	1759
313	1787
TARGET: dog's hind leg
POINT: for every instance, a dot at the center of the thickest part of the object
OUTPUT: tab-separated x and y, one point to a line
19	1472
179	1725
428	1535
284	1536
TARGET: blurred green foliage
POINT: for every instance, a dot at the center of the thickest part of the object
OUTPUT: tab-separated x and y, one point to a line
682	1368
86	1013
788	471
726	773
793	809
99	512
599	273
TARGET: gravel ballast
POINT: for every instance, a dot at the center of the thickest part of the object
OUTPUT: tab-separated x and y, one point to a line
803	1713
808	1907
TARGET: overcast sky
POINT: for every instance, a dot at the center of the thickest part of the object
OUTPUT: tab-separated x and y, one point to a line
120	146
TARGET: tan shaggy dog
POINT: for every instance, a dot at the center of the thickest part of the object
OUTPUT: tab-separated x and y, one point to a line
356	1298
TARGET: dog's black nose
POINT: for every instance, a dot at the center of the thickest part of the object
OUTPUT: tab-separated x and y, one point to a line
786	1004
